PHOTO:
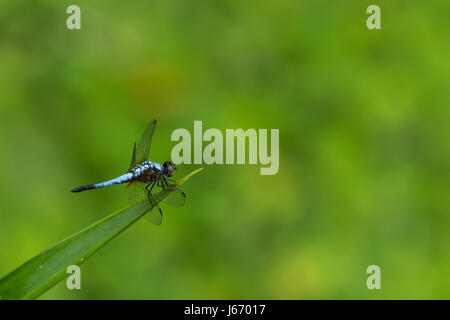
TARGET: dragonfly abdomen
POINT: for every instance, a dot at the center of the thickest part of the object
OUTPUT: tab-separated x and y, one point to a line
121	179
83	188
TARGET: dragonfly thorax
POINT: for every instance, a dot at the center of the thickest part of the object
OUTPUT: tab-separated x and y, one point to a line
147	171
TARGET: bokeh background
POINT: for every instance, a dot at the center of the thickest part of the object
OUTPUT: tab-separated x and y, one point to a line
364	144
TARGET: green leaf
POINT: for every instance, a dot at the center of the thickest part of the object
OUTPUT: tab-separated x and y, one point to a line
45	270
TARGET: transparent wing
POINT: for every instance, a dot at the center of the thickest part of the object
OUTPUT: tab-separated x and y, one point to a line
142	150
154	216
170	194
176	198
133	158
136	193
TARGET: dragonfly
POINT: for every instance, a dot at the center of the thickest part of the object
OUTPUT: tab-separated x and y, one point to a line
145	176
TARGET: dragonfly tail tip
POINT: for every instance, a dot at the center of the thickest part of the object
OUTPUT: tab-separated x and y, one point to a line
79	189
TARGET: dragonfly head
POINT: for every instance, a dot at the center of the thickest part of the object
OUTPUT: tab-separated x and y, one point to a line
169	169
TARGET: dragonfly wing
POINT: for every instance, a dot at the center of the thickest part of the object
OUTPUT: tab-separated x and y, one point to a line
154	216
136	193
133	158
143	146
170	194
176	198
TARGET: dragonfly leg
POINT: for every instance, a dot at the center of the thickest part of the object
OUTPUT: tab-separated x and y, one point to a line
169	181
151	198
154	204
152	201
161	184
149	193
151	185
164	182
173	186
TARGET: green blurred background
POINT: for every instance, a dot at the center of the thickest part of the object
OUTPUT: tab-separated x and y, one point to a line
364	144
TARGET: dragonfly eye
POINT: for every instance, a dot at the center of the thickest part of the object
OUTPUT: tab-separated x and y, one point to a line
169	168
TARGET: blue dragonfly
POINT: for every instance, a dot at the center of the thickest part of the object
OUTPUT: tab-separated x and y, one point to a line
143	176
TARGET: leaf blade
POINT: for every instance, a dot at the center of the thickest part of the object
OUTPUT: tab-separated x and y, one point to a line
45	270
